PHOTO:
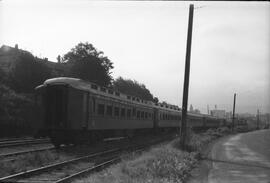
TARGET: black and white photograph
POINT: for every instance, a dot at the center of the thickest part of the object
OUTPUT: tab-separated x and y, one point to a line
134	91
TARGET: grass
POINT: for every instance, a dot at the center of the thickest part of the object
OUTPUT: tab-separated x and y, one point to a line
162	164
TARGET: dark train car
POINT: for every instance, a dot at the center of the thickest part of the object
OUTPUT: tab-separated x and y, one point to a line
195	121
212	122
75	110
167	117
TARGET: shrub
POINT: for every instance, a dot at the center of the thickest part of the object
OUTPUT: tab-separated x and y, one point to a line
15	112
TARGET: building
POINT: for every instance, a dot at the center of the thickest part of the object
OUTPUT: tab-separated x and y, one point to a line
10	55
218	113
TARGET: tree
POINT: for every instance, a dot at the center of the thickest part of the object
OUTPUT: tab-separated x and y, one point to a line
156	100
89	64
28	73
133	88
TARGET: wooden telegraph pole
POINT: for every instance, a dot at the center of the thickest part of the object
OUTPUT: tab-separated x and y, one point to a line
258	119
234	98
186	80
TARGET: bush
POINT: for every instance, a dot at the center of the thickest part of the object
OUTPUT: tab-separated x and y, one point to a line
15	113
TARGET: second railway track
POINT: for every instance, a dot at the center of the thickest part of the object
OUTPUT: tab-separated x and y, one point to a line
70	169
12	143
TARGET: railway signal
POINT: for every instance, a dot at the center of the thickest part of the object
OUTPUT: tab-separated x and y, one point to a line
186	80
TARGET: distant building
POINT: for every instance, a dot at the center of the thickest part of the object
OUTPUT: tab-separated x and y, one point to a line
191	108
228	115
9	56
218	113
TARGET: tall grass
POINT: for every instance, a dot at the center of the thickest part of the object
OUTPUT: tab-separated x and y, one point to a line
163	164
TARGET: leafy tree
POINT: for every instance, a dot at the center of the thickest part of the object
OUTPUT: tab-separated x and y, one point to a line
134	88
89	64
156	100
28	73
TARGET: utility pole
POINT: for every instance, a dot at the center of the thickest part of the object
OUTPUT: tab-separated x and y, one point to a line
186	79
234	98
268	118
258	119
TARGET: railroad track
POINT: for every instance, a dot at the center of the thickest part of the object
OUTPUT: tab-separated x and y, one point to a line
14	139
68	170
10	143
25	152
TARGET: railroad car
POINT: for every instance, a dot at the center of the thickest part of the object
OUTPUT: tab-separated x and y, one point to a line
72	110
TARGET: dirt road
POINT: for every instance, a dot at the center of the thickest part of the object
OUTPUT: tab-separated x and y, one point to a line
242	158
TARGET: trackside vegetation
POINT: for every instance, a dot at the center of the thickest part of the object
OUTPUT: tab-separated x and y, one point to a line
161	164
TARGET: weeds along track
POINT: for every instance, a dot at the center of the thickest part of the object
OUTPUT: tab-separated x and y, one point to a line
11	143
68	170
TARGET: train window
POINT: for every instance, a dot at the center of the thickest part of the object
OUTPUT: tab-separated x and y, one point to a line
138	114
110	92
128	97
117	93
109	110
93	86
133	98
134	111
116	111
103	89
94	105
101	109
123	112
142	114
128	113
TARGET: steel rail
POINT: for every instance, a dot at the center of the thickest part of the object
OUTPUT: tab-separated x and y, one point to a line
47	167
26	151
23	142
103	164
14	139
28	173
106	163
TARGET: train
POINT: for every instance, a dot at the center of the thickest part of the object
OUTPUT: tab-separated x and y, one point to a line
73	111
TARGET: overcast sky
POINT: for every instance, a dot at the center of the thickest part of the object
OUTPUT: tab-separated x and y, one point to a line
146	41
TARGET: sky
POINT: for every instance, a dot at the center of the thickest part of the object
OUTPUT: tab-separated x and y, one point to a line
146	41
